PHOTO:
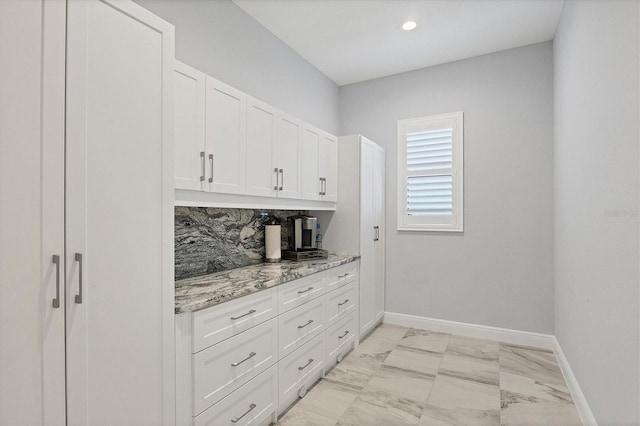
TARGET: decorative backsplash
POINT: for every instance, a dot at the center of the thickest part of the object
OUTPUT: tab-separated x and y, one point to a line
211	240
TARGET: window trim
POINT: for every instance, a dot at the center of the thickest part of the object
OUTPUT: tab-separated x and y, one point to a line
424	223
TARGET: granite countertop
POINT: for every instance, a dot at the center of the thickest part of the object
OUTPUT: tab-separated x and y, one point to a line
194	294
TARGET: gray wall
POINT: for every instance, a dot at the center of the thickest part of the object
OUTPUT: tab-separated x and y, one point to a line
219	38
500	271
596	202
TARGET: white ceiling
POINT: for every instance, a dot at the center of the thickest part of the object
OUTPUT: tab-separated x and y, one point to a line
357	40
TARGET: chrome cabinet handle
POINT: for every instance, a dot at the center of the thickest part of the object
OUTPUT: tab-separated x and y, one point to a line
282	179
320	193
275	169
345	301
202	161
251	355
345	333
324	186
304	325
78	258
306	365
211	160
252	311
343	275
305	291
236	419
56	261
376	230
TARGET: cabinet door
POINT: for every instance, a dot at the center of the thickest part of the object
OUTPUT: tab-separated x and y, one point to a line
32	78
226	114
289	154
119	215
311	185
189	131
328	165
367	235
262	176
379	241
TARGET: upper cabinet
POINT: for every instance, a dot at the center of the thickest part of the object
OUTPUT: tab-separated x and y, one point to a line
230	143
319	165
189	128
225	129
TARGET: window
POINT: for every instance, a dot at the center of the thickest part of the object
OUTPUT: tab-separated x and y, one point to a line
430	173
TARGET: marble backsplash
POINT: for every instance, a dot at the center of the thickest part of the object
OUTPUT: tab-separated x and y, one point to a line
212	240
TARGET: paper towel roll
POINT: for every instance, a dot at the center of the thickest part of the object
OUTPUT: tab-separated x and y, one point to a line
272	243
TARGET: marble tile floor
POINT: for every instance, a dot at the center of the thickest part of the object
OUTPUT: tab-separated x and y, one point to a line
403	376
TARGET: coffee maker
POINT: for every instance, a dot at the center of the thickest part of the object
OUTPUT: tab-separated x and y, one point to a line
302	239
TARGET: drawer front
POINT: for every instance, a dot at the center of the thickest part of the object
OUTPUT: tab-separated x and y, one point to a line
255	403
300	325
340	303
298	292
340	336
301	368
220	322
220	369
341	275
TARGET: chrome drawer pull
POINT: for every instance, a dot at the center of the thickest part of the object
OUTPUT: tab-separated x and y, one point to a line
251	355
304	291
78	258
202	161
253	311
306	365
345	333
236	419
282	180
211	160
304	325
345	301
343	275
56	260
275	188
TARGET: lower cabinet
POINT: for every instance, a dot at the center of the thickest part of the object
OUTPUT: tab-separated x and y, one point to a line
257	366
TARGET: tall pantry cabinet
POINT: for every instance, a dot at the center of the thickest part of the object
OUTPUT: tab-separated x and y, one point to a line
357	226
86	214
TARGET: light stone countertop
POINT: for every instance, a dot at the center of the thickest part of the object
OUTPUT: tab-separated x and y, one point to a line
194	294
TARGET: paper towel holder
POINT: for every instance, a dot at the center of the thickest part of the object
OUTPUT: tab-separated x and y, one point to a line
272	240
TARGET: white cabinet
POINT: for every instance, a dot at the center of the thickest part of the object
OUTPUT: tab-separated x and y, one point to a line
103	222
288	155
319	165
358	224
225	138
189	128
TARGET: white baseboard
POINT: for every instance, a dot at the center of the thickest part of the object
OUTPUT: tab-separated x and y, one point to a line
574	387
515	337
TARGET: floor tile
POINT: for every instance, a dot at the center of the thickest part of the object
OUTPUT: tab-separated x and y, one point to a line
472	359
414	360
298	416
328	399
477	348
425	340
457	401
518	409
390	332
538	364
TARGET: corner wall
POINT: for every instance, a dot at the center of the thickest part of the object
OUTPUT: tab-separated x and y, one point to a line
219	38
499	272
596	202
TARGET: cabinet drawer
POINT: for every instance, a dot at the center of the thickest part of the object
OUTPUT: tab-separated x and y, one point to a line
300	325
220	369
341	275
340	336
254	403
220	322
297	292
340	303
301	368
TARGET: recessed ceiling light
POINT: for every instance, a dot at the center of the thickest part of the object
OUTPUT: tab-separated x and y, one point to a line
409	25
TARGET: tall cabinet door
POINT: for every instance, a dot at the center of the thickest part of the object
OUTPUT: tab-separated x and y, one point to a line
189	130
367	235
119	215
226	116
262	174
379	240
32	358
289	155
